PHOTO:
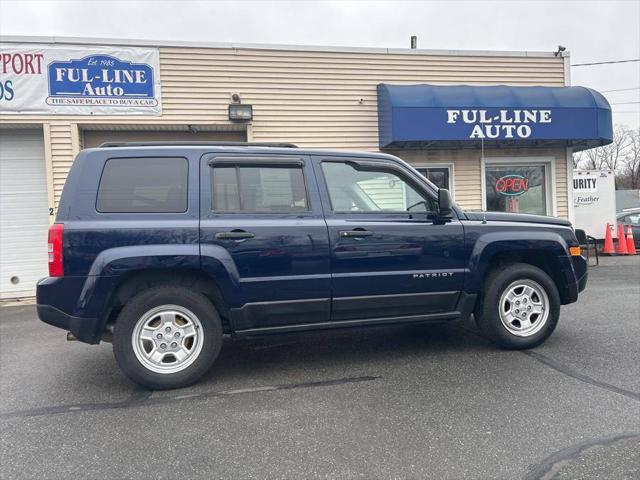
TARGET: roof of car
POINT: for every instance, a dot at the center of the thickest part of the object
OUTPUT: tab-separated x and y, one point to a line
626	211
234	147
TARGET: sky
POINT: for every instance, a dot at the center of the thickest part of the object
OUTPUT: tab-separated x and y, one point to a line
593	31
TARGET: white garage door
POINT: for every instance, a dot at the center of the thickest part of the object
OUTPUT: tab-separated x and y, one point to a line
23	212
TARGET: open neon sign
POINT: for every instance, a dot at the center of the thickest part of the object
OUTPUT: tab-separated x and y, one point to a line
512	185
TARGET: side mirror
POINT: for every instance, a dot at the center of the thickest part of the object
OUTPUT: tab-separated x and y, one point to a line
444	203
581	235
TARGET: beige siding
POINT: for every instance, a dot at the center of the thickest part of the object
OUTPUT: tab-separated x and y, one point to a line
62	154
562	194
321	99
312	98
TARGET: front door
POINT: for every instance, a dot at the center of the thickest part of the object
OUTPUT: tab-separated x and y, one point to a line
263	215
390	255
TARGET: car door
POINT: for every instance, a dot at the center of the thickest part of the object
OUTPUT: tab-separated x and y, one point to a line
264	213
391	257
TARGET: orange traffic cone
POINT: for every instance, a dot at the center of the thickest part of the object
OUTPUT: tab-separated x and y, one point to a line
631	244
622	242
607	249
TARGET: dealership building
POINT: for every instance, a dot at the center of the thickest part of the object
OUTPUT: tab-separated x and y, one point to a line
496	128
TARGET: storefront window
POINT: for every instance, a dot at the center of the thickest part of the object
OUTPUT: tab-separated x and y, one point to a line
517	189
439	176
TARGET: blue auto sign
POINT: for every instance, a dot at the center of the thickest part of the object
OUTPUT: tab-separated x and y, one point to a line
101	79
452	116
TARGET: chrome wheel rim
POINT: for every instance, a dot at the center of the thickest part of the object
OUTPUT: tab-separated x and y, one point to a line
167	339
524	308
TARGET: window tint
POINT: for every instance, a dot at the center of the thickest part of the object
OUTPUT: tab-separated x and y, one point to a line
352	190
258	189
143	185
224	186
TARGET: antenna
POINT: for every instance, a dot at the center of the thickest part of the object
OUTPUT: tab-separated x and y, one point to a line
482	162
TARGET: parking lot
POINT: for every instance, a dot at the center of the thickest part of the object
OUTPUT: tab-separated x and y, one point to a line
432	401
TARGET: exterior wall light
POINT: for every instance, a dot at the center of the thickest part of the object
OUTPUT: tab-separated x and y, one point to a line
240	112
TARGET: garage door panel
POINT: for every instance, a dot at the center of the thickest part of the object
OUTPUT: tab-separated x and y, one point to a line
24	212
21	202
16	237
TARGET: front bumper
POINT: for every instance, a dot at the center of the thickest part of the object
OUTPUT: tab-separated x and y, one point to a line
582	283
580	277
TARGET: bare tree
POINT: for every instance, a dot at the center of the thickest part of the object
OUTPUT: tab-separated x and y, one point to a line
630	171
614	156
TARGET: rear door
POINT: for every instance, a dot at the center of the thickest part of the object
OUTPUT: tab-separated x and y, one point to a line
390	255
265	212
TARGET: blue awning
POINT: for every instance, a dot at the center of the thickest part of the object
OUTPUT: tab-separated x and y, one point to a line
458	116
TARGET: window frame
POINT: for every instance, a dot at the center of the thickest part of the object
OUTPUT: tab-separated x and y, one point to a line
256	162
129	157
549	164
448	165
382	165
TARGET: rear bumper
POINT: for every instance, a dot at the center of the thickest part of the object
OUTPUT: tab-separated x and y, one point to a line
84	329
57	304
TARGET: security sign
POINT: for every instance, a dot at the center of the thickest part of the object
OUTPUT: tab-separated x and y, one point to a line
70	80
512	185
594	201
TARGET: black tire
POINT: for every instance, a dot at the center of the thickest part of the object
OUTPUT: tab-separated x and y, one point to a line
487	313
155	297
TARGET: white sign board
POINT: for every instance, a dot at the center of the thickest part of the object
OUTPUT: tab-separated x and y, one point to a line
594	201
79	80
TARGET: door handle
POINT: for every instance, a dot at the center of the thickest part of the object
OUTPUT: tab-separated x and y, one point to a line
356	233
234	235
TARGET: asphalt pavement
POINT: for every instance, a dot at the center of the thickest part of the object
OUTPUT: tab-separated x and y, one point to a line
434	401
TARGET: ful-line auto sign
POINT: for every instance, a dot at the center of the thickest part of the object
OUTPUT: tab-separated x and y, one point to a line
74	80
503	124
101	80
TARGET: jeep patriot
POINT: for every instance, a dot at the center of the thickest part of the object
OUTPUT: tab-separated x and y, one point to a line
162	249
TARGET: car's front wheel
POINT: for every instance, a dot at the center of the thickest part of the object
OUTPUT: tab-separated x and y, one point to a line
167	337
519	307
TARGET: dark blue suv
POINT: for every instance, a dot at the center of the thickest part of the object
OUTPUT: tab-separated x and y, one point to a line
163	249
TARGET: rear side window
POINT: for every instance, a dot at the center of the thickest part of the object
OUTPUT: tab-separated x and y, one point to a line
258	189
143	185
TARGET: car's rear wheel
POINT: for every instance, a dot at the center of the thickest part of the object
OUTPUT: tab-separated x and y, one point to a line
167	337
519	307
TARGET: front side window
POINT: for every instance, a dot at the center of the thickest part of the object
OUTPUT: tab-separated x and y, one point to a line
353	190
517	189
258	189
143	185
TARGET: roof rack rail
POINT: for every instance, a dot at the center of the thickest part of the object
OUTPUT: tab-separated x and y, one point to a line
212	143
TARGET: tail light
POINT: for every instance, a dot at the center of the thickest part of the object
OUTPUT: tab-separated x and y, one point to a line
56	234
